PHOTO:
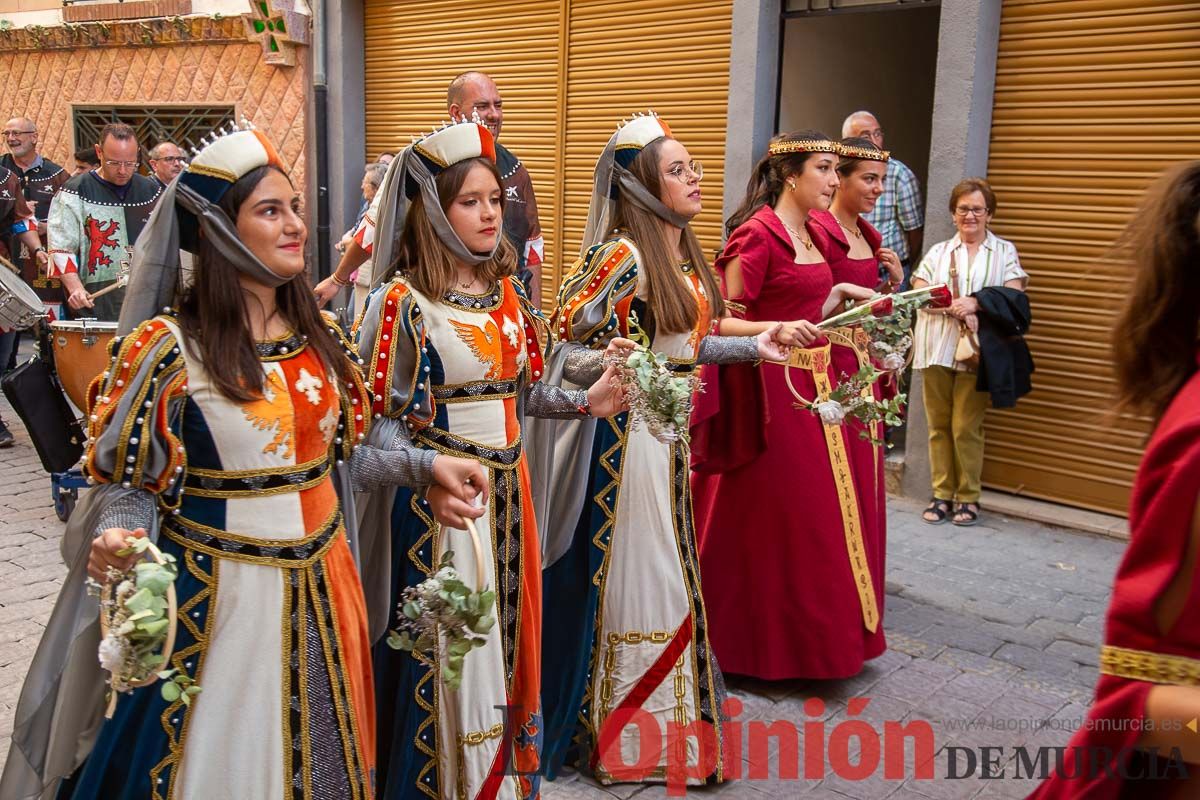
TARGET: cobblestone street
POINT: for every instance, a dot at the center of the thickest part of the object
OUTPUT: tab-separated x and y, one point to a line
993	632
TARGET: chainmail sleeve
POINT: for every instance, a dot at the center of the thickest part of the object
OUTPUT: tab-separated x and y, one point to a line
554	402
727	349
400	464
582	365
137	509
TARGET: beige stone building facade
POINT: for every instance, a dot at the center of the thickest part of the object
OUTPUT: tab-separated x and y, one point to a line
170	76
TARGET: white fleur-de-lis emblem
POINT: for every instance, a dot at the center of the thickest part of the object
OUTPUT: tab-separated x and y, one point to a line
328	424
309	384
511	330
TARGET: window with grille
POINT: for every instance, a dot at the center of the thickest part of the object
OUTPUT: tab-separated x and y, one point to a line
183	125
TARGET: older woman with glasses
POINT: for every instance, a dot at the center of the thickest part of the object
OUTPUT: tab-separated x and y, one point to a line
971	260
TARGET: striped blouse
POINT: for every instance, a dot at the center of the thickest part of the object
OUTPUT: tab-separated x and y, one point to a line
996	263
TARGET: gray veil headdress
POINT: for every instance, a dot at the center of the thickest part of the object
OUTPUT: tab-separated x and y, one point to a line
186	212
612	175
416	170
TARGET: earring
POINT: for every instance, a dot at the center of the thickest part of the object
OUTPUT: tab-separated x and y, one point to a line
791	185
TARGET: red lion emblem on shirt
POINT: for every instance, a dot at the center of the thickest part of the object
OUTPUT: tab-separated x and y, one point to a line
100	235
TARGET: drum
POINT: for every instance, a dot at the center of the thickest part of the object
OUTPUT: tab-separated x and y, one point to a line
80	354
20	306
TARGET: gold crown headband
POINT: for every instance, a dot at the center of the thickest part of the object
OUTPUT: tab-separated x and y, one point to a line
865	153
827	146
804	146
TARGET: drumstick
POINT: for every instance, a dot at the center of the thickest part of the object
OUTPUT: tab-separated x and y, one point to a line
111	288
10	265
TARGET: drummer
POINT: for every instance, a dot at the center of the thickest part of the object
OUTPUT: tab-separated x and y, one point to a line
94	221
15	216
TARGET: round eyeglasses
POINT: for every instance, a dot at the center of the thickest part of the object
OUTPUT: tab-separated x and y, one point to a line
685	172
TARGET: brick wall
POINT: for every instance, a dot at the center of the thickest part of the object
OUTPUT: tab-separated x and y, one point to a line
206	61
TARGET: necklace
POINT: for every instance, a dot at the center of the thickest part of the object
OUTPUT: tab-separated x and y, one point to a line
855	232
808	243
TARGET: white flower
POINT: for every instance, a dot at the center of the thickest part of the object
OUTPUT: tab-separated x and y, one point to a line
893	362
112	653
832	412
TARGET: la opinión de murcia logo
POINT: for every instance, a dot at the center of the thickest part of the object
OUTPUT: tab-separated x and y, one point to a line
853	749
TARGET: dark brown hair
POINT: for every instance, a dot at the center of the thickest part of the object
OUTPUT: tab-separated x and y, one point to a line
88	156
117	130
670	302
968	185
766	181
212	313
848	165
1155	336
427	262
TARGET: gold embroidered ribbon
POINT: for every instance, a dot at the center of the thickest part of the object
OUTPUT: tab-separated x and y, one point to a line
1143	665
859	341
854	337
816	361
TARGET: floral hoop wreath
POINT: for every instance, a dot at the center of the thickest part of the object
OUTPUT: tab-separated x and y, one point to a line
836	336
106	602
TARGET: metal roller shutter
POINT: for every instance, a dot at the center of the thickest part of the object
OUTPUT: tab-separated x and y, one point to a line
414	50
1094	98
672	57
568	71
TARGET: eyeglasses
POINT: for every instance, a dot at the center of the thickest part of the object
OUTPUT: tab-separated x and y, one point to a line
121	164
171	159
684	173
15	134
963	211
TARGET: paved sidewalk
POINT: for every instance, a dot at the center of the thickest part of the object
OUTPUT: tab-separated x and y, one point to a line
993	627
993	632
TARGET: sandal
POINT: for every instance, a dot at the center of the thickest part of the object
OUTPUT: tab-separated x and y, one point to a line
969	513
939	509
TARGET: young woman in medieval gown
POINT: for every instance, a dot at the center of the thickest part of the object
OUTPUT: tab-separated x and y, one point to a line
851	247
224	431
455	352
1139	740
790	539
625	623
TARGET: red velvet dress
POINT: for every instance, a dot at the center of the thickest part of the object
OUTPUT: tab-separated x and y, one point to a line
789	554
1160	515
830	239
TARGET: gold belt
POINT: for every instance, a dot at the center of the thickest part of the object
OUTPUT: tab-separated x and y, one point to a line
816	360
1143	665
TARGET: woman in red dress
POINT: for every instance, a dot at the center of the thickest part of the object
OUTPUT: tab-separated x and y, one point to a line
852	248
1140	739
789	554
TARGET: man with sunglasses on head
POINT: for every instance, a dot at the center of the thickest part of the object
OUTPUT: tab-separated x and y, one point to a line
95	220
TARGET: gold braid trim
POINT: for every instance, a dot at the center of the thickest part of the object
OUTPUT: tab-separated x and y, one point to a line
1143	665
